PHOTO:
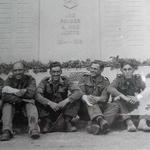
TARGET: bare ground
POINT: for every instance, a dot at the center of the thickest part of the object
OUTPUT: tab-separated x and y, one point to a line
80	140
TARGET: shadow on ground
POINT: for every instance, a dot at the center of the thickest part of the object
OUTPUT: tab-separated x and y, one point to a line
81	140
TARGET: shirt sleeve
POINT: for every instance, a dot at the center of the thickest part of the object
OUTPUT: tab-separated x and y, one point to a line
6	97
82	84
31	88
40	93
105	95
75	91
113	88
7	82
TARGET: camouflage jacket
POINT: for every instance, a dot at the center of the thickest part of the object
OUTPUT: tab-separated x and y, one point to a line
126	86
48	91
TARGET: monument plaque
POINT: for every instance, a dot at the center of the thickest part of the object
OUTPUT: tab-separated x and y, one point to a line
69	29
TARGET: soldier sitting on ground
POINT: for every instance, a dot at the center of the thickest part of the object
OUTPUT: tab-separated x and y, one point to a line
56	106
124	90
95	100
17	95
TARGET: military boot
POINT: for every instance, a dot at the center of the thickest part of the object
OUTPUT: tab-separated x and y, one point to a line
6	135
93	129
45	125
143	126
130	126
34	134
68	125
103	125
70	128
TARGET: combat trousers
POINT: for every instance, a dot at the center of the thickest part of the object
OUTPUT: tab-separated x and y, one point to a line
109	111
70	110
126	108
8	113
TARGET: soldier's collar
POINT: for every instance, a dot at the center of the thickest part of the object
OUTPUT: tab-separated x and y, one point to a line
14	78
98	79
129	78
61	81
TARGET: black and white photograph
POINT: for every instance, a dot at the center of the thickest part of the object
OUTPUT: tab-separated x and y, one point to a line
74	74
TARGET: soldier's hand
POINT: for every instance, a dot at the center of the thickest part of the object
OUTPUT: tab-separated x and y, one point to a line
21	92
117	98
85	99
125	98
133	100
93	99
54	106
63	103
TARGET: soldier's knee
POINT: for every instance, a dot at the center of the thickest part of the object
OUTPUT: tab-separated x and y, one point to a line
115	106
30	106
31	109
7	106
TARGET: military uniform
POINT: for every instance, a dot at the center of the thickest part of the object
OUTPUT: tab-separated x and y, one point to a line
25	104
128	87
49	91
98	87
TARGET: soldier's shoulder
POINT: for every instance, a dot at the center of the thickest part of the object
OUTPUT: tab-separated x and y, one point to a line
64	77
137	76
119	78
10	75
29	76
119	75
26	77
105	78
46	79
86	74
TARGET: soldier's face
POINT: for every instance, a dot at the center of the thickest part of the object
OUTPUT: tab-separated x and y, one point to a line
127	71
95	70
18	71
56	73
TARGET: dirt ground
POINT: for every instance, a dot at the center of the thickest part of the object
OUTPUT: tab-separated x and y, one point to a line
80	140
